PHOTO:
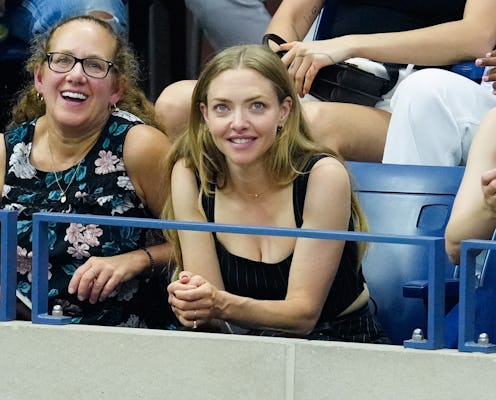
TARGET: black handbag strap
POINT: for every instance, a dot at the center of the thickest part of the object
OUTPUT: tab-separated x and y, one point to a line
276	39
393	71
272	37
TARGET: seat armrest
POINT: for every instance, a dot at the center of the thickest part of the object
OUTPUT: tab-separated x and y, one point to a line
419	289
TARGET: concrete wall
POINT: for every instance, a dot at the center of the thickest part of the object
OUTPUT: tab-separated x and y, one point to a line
82	362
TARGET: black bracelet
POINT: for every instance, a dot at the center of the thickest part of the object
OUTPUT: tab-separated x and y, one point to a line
152	261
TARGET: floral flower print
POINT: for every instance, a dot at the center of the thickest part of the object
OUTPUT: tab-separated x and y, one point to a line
106	163
19	161
101	187
82	239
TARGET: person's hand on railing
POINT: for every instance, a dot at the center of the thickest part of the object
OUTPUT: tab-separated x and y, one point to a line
99	276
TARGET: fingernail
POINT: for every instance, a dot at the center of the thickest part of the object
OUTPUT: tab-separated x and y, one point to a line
71	290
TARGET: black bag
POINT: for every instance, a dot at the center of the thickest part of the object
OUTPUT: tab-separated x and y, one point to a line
344	82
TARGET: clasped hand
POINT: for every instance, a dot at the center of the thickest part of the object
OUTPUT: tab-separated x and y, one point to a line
192	300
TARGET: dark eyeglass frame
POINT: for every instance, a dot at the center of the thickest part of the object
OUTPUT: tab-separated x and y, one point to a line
76	60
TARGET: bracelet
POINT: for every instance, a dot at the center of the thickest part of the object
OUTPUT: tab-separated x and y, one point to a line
152	261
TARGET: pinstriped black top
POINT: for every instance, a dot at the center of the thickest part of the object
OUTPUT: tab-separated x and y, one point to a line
266	281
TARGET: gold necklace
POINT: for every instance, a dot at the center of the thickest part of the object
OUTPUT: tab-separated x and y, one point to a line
256	195
63	196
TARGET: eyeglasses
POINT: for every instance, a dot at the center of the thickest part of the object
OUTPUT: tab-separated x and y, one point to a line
92	66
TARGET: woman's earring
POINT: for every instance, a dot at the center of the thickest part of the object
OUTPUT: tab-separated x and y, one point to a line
279	129
113	108
39	96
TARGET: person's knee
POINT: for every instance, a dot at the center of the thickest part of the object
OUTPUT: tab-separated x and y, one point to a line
325	124
424	87
173	106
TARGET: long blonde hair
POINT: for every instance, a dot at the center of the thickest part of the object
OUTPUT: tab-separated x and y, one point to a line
285	159
125	70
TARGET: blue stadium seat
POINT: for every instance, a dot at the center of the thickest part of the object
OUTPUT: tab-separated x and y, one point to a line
403	200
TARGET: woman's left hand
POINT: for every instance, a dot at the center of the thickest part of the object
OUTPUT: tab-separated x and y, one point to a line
98	277
305	59
192	300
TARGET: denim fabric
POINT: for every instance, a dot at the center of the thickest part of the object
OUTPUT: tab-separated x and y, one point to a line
31	17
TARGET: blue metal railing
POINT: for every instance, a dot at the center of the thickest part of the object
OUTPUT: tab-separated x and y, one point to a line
434	246
466	325
8	258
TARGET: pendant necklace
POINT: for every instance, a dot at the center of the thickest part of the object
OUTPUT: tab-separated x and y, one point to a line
255	195
63	196
63	192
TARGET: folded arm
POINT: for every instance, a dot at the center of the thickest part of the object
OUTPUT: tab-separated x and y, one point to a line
474	210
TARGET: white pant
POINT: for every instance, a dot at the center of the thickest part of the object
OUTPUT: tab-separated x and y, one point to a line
435	114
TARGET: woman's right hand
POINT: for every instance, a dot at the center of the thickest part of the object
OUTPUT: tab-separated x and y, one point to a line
192	300
488	185
488	61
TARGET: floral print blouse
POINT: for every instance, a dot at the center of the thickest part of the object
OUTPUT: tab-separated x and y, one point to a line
98	185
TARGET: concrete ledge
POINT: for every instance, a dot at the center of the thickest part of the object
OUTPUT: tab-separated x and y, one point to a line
86	362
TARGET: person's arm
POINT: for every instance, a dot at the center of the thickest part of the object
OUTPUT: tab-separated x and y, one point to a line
197	248
448	43
293	18
314	266
474	211
145	152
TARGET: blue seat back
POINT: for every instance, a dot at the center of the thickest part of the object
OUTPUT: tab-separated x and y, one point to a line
402	200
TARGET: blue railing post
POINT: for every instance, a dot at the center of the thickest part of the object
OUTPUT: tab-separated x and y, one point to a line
39	292
8	266
436	296
466	325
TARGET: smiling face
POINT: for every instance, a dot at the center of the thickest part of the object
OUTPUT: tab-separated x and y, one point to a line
74	99
243	114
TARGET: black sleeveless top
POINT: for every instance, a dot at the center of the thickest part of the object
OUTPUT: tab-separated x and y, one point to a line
266	281
373	16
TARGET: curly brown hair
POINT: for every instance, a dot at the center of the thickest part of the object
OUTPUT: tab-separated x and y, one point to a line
125	69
